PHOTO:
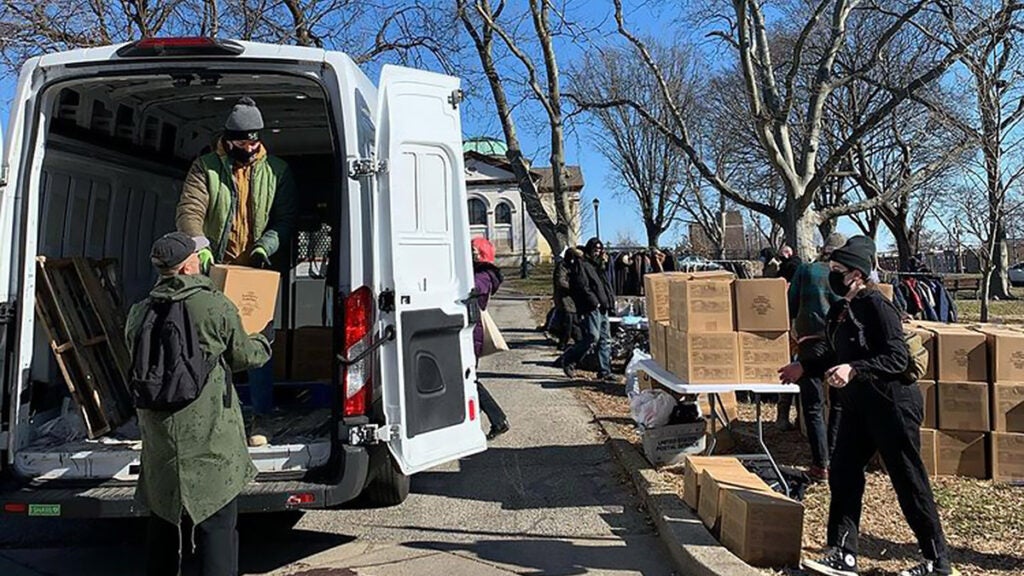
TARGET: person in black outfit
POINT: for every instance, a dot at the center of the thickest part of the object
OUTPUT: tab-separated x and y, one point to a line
882	412
565	306
594	299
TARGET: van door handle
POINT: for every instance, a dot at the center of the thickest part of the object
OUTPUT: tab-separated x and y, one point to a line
389	335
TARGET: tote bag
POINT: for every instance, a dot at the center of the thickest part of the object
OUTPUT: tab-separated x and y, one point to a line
493	340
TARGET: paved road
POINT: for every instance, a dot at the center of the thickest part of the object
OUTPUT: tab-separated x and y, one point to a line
545	499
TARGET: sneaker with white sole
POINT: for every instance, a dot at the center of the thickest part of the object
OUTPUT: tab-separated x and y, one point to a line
928	568
837	562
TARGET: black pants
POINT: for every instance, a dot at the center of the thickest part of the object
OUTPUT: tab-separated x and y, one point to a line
216	542
882	417
812	401
489	406
568	328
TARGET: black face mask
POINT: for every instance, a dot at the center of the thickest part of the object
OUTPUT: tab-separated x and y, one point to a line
837	282
241	155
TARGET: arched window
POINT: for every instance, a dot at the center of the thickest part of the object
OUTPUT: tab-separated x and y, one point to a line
503	214
477	212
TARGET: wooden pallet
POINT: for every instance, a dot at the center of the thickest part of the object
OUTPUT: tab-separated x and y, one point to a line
79	307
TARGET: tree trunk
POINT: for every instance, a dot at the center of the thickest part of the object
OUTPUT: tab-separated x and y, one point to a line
802	235
999	279
903	246
653	233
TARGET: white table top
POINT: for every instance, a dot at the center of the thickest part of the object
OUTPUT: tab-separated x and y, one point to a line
668	380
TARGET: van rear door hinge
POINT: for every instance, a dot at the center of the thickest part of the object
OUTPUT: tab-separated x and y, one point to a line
6	312
372	434
456	97
386	301
363	167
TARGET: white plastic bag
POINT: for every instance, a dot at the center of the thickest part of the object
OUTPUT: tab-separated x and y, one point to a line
652	408
632	380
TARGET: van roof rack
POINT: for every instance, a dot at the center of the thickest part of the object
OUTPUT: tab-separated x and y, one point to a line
181	46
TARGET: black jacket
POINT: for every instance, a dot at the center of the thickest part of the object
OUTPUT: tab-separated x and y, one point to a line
590	288
867	334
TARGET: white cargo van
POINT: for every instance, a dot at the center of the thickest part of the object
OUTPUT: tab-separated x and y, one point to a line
98	144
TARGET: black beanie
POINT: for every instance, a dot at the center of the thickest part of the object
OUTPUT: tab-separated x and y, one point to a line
857	254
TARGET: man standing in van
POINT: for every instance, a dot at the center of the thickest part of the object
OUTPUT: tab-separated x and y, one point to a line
242	200
194	458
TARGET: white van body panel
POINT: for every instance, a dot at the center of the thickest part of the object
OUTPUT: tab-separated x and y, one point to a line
423	232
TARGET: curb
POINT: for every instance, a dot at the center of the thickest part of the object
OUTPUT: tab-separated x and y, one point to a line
694	551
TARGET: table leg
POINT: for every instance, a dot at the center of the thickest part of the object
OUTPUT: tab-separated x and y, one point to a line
764	447
714	425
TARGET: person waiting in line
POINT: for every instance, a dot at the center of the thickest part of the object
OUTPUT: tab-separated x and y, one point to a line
809	301
788	262
595	300
242	200
487	278
565	306
882	413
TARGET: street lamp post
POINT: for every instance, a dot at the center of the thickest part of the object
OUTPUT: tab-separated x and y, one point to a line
523	265
597	218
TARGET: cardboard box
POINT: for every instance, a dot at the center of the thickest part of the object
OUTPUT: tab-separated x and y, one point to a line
656	290
669	445
928	341
961	454
701	305
930	393
929	450
253	291
761	356
1006	453
279	355
713	483
1008	408
703	358
1006	354
727	403
695	466
657	335
964	406
764	529
960	355
761	304
312	357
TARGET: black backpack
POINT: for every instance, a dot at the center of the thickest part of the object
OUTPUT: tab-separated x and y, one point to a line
168	368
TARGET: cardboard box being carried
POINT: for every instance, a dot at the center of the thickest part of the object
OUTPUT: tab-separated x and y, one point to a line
960	355
764	529
961	454
930	392
702	304
928	341
703	358
253	291
671	444
713	483
761	356
1006	354
312	357
1006	453
762	305
1008	408
695	466
963	406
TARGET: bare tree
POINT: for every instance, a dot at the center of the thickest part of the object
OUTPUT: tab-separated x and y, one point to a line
645	165
790	74
482	20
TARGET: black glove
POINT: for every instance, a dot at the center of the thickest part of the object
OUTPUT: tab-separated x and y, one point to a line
259	258
268	332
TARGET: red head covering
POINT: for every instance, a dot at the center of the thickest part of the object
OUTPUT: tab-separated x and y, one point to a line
485	248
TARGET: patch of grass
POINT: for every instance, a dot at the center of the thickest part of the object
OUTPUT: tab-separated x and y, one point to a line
537	283
1006	311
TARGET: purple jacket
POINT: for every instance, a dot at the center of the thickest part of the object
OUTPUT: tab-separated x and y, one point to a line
487	279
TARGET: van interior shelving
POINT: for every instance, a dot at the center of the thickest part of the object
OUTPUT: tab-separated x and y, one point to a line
116	152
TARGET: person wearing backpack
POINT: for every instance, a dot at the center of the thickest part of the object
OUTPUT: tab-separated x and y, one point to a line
186	339
870	364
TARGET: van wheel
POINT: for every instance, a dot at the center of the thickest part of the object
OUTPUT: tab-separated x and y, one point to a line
389	487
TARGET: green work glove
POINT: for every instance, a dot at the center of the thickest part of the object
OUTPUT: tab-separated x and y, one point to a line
205	260
259	258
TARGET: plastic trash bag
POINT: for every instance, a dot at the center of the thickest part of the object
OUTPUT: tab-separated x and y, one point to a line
652	408
632	368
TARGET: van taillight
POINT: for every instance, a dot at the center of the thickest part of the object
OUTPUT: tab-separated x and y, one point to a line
358	333
184	46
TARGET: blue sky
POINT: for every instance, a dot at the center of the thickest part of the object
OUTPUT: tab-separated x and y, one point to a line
619	215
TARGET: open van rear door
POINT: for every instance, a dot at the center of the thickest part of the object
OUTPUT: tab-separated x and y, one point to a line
428	373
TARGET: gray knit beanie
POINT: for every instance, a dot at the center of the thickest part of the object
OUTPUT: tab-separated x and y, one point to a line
244	122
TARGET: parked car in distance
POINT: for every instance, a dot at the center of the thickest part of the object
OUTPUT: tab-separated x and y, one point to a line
1016	274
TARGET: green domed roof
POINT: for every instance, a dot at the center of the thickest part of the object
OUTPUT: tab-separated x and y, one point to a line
485	145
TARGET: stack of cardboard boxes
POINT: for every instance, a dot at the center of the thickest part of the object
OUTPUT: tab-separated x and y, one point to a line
974	401
757	524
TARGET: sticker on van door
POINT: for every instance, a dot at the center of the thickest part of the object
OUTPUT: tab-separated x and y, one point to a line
44	510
